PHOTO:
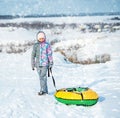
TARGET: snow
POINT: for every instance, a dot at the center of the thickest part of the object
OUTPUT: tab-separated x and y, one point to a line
68	19
19	84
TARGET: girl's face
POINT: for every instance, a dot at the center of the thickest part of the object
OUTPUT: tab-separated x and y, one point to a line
41	39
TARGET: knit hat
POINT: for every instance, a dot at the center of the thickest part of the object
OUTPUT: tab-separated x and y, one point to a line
41	35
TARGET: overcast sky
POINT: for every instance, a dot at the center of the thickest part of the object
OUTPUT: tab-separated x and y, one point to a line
28	7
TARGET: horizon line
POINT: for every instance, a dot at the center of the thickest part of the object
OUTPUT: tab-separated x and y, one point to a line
57	15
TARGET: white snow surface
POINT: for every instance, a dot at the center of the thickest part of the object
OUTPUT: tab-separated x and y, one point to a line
68	19
19	84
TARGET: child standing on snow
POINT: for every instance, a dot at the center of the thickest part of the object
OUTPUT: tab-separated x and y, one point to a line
42	59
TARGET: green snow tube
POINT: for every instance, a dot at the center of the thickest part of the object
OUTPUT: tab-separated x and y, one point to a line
77	96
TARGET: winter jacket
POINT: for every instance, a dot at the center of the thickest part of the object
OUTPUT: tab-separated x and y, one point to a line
41	54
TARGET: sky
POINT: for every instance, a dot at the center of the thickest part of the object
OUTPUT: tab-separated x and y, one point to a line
46	7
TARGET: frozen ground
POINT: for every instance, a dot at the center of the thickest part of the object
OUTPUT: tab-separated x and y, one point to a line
19	84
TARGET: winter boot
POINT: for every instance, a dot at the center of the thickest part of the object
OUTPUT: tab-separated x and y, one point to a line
41	93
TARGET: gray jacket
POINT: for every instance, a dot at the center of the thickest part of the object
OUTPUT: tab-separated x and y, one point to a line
41	55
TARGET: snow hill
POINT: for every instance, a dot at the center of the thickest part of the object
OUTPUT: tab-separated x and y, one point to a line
19	84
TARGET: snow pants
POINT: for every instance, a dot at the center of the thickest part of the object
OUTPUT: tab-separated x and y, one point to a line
42	72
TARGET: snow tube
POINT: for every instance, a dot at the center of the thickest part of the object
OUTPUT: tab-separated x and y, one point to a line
76	96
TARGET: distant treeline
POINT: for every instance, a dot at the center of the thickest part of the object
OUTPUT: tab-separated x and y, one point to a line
57	15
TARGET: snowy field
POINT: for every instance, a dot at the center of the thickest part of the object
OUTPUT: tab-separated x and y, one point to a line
19	84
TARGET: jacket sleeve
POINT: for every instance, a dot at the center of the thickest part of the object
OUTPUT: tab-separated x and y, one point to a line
50	57
33	56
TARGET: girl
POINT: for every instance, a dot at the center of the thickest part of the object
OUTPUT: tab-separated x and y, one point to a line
42	59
